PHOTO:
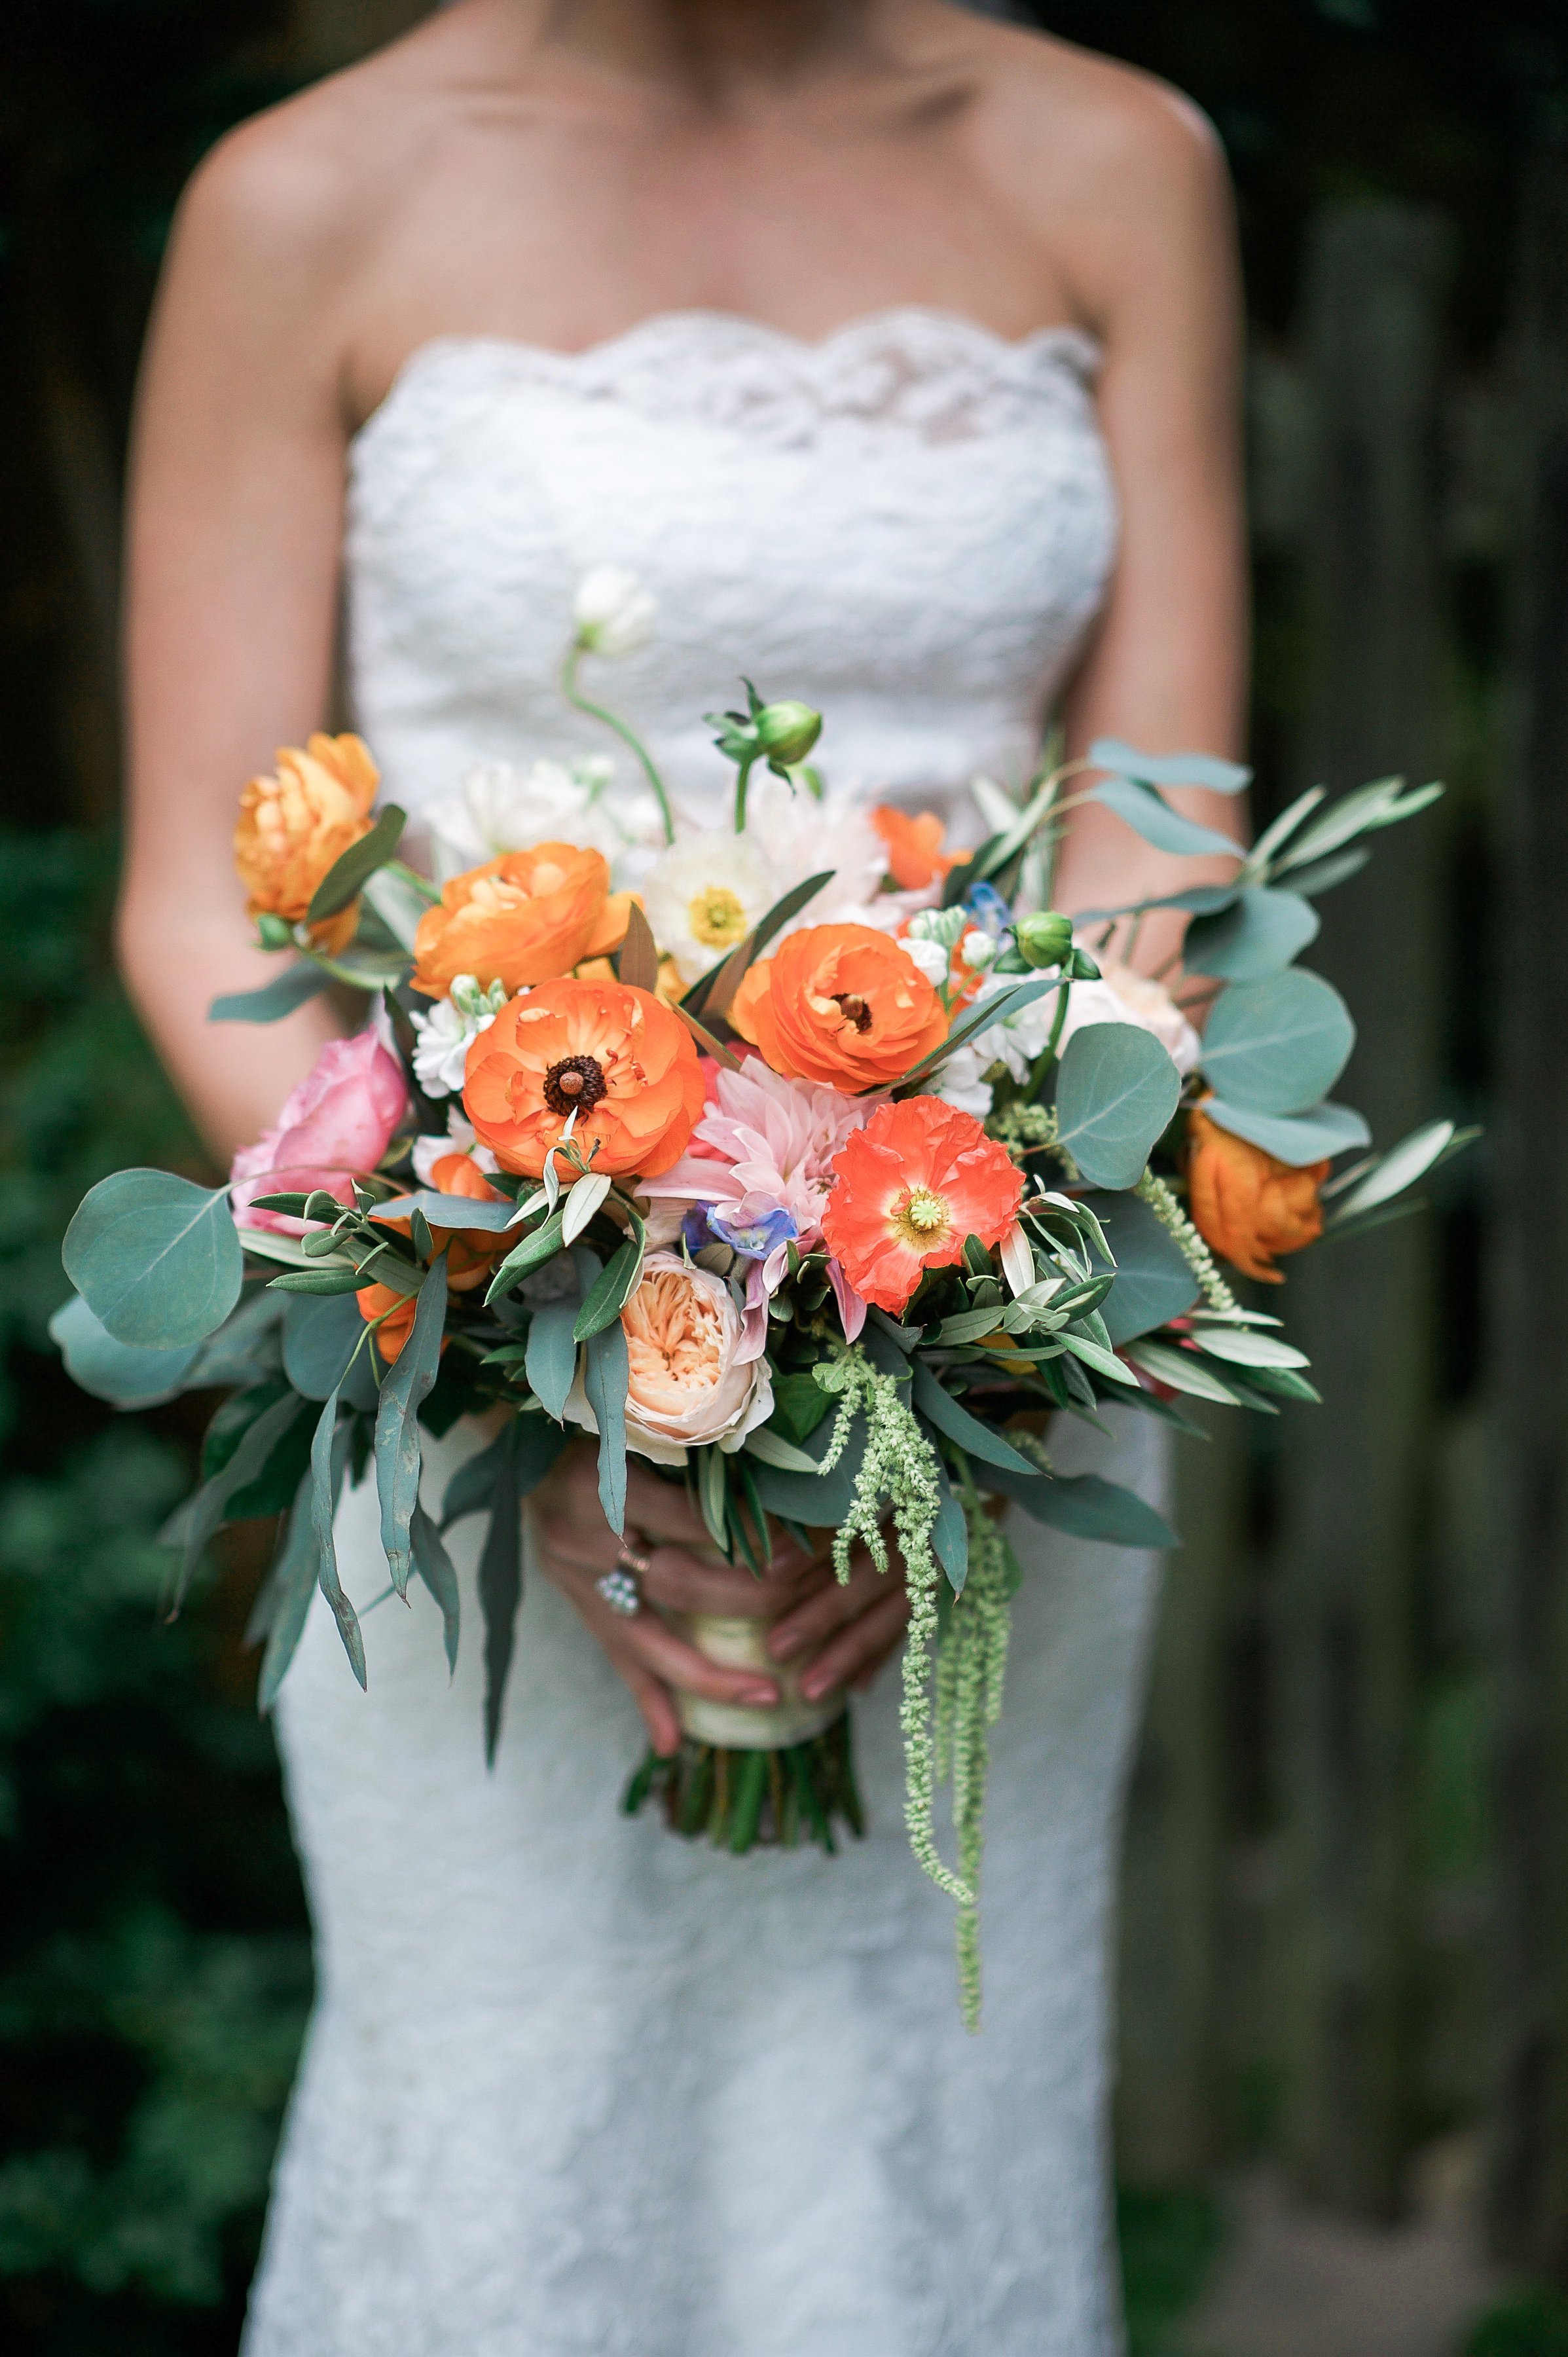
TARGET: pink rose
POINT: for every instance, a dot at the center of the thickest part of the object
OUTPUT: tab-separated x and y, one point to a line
337	1124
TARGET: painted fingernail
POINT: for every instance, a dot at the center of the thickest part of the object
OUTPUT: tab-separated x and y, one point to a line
785	1641
815	1687
766	1696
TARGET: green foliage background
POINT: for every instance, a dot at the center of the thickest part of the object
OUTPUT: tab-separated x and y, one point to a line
153	1965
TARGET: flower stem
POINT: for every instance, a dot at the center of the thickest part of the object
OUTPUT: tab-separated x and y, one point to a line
742	779
621	728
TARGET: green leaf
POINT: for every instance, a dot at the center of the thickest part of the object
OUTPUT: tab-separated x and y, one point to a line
400	899
581	1203
1278	1045
1090	1508
398	1451
1102	1363
328	1459
155	1258
1261	933
292	988
552	1359
606	1374
817	1500
714	992
193	1524
704	1039
1324	874
800	1404
324	1282
532	1253
346	876
1296	1138
434	1566
1116	1092
976	1439
291	1583
1383	803
1204	770
949	1532
1152	817
1240	1346
273	1488
1154	1282
1399	1169
124	1373
772	1449
501	1579
639	961
1180	1371
999	1009
449	1211
320	1335
611	1292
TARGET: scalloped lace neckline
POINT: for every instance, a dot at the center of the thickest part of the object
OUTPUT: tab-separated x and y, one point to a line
727	334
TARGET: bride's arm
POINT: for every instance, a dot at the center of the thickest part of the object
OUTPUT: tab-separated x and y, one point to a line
1166	669
235	518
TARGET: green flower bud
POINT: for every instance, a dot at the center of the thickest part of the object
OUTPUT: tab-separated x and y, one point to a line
275	932
787	732
1045	938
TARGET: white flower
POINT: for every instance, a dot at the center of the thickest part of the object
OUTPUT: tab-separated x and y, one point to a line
931	957
614	613
500	809
959	1083
978	949
1122	996
459	1139
702	897
448	1032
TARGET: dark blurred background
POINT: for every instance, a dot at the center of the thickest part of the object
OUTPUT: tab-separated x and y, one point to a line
1343	2118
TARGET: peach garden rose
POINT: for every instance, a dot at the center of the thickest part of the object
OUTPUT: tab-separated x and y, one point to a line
690	1378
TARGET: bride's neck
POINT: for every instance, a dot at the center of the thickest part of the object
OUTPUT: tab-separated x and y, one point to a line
711	46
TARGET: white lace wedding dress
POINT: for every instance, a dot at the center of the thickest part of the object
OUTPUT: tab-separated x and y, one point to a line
572	2087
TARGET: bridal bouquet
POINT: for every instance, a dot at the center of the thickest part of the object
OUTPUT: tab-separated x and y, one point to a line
823	1199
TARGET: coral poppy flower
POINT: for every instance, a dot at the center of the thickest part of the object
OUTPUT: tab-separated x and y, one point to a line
527	917
612	1055
842	1005
1247	1205
297	823
915	854
908	1187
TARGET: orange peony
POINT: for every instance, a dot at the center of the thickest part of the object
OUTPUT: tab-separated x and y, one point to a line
842	1005
612	1055
527	917
1247	1205
915	854
295	824
908	1187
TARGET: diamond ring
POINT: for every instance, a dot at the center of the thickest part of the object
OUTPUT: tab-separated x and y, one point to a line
622	1588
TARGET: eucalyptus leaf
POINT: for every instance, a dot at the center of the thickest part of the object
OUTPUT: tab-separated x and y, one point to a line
434	1566
551	1361
403	1390
1324	874
1099	1361
291	1583
1399	1169
1089	1508
449	1210
998	1009
1277	1045
950	1534
295	987
1296	1138
1116	1092
124	1373
501	1579
1152	817
606	1375
817	1500
345	878
320	1338
712	993
1275	837
532	1253
1204	770
1154	1282
1261	933
156	1258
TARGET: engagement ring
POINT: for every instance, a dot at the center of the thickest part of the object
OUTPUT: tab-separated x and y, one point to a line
622	1588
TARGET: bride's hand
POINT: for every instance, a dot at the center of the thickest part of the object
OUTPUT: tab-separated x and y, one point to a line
850	1629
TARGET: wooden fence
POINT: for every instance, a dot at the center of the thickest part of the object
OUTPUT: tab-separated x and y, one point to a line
1345	1923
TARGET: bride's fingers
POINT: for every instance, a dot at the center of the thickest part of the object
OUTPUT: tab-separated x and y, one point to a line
859	1649
683	1583
653	1701
829	1605
642	1638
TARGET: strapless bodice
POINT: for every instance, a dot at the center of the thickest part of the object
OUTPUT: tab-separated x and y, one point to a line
908	525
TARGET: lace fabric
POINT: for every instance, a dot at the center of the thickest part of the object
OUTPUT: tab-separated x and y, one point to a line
571	2085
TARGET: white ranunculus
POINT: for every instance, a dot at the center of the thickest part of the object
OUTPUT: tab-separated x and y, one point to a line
932	958
450	1030
614	613
688	1383
502	808
704	895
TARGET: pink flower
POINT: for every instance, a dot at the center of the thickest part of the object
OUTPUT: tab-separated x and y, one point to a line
337	1124
760	1158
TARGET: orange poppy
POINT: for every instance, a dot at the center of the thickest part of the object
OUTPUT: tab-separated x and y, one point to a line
297	823
527	917
842	1005
908	1187
915	854
1246	1204
612	1055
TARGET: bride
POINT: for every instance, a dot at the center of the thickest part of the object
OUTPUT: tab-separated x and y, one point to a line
893	351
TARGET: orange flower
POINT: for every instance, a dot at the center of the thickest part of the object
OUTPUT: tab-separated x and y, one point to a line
1245	1204
915	854
612	1055
295	824
471	1252
398	1308
908	1187
669	986
844	1005
527	917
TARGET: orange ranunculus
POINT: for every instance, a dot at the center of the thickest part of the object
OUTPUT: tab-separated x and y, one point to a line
842	1005
396	1309
614	1056
915	854
907	1189
527	917
471	1252
294	826
1247	1205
